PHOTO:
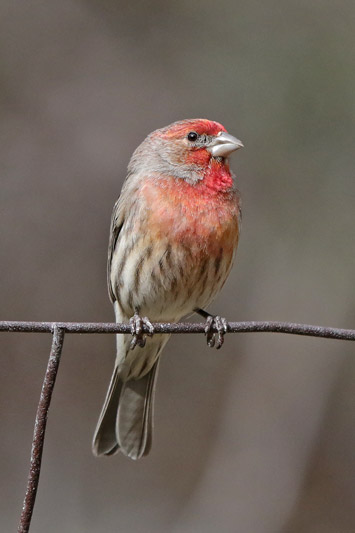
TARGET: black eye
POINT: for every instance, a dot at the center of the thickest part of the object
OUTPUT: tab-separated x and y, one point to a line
192	136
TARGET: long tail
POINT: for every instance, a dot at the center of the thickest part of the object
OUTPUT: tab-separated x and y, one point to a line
126	419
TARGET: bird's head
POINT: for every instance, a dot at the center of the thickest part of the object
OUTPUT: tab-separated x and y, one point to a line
185	149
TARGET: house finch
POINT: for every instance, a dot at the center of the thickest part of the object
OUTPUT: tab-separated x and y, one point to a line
174	232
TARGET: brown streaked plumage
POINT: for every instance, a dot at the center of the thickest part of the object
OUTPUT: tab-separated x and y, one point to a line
174	232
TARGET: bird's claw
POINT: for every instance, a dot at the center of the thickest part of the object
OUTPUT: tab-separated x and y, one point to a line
221	325
139	336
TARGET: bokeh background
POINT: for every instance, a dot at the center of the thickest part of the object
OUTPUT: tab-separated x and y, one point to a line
256	438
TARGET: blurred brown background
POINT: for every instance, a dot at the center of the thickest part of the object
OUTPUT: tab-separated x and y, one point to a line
256	438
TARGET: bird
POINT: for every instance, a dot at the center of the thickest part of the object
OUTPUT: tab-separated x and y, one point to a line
173	237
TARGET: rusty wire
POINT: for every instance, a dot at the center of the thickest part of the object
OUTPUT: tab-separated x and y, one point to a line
187	327
58	330
40	429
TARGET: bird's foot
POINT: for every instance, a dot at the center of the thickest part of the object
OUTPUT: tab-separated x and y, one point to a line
221	325
139	336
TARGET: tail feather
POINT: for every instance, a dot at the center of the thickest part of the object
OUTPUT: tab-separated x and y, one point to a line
105	440
135	414
125	421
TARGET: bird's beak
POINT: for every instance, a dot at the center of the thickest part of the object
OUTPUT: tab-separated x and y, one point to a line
224	144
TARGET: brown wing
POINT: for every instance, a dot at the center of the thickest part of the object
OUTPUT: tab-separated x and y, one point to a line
117	220
122	210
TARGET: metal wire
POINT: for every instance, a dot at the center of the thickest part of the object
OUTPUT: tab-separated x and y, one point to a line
181	327
40	429
58	330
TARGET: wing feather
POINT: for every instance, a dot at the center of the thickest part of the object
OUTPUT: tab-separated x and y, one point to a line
117	221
